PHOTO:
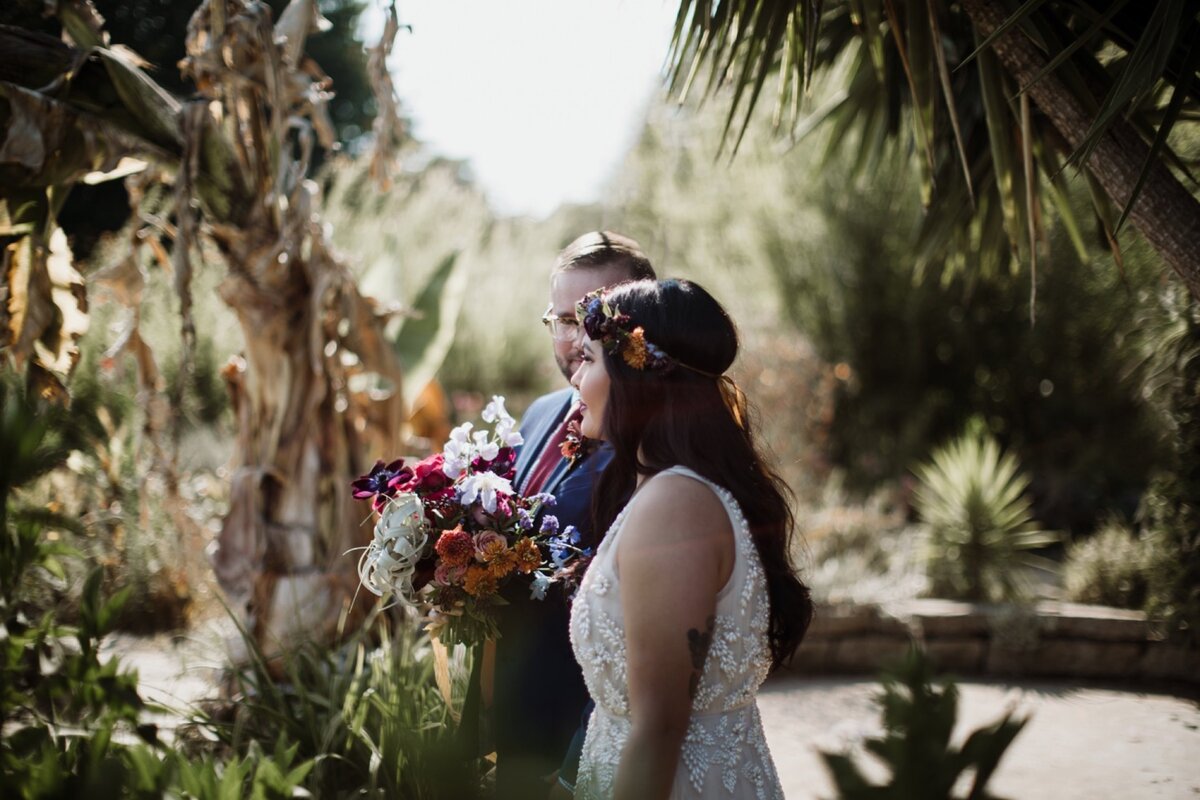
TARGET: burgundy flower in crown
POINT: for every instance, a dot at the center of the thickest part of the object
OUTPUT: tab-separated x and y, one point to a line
618	335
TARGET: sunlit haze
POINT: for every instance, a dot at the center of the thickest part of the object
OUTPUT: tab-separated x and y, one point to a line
542	97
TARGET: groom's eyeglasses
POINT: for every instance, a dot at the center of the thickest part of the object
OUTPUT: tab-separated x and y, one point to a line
562	328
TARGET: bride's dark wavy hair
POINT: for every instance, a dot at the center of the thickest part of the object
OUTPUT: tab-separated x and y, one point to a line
682	417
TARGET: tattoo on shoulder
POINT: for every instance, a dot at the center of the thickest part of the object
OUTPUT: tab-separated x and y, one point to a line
698	644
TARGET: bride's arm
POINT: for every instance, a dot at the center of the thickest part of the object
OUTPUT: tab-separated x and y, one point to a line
675	554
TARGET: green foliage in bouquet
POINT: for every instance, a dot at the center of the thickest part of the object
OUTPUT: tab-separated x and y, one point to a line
918	720
981	526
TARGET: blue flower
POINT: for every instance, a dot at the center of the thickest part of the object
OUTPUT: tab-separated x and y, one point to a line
571	534
537	589
560	552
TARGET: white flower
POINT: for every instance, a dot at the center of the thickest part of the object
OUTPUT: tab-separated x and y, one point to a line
506	433
537	589
388	563
495	410
483	486
457	452
484	447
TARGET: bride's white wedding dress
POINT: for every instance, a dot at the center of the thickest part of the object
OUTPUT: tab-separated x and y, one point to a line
724	753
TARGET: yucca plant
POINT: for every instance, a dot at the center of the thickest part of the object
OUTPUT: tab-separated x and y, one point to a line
981	526
918	720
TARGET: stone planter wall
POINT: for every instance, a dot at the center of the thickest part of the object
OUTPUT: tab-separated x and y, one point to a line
1061	640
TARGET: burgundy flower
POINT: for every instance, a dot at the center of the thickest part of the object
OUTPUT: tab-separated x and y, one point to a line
427	477
381	482
504	464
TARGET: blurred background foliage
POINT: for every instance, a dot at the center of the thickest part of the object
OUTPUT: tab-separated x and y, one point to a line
863	362
865	358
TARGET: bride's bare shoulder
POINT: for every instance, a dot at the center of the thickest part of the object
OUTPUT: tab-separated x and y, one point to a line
674	508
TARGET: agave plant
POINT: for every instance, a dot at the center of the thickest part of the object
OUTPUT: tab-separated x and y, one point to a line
918	720
981	526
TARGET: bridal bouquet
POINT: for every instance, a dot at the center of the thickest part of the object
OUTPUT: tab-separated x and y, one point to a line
451	530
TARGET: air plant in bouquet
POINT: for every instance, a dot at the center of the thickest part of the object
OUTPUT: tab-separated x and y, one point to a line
452	531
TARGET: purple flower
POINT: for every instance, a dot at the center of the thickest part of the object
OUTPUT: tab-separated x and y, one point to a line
524	520
550	524
381	482
545	498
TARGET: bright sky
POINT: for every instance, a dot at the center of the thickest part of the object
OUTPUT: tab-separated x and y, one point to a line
543	97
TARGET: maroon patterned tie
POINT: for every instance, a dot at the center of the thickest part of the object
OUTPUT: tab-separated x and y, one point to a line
551	454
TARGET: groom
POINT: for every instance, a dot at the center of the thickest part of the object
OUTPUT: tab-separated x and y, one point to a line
529	689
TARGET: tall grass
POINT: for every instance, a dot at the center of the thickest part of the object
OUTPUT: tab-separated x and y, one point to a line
366	712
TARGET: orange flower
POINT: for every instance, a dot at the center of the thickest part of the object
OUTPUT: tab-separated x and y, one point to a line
479	581
634	351
527	554
489	545
455	547
503	563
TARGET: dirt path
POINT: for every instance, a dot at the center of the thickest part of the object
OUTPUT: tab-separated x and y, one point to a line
1081	743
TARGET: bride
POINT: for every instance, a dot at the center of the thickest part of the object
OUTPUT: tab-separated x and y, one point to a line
691	599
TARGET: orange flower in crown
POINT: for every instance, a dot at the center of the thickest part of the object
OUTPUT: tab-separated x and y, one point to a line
614	330
634	351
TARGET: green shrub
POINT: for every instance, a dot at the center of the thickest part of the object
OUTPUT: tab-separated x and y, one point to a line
918	720
1170	337
72	724
981	527
859	553
367	713
1111	567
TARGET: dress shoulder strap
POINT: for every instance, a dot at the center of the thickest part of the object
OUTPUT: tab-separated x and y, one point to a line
731	506
734	511
744	551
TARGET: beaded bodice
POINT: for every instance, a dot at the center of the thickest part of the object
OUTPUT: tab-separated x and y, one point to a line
724	753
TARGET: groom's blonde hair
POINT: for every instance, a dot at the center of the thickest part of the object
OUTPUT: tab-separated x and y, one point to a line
606	250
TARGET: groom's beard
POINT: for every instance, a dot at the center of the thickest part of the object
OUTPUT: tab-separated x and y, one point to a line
568	365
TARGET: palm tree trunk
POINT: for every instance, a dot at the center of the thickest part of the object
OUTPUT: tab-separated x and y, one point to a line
1165	213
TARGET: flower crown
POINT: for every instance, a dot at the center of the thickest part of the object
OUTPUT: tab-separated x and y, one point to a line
606	324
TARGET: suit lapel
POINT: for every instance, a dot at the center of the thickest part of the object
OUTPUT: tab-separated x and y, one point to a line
538	437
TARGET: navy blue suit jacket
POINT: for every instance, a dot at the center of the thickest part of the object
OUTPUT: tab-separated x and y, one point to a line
539	690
